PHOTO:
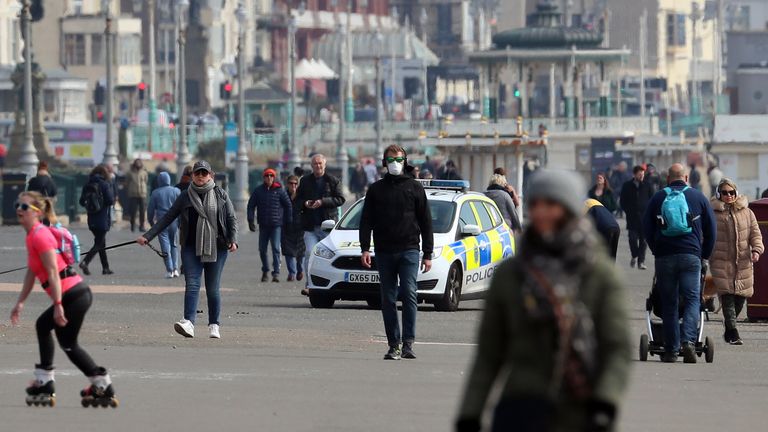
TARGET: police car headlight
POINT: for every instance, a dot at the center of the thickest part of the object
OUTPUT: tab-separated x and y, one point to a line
436	252
323	251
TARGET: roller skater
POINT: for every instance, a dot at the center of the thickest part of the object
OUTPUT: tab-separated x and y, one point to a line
50	260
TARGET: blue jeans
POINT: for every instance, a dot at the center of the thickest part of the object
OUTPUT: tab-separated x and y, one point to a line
295	265
167	239
678	278
405	266
193	269
311	238
269	235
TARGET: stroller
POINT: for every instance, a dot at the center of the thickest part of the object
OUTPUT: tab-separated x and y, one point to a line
653	342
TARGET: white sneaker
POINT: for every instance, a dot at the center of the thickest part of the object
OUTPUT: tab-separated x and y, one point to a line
185	328
214	329
169	275
176	273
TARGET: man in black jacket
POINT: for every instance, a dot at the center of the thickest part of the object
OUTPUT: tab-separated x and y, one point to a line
42	182
397	211
635	195
320	197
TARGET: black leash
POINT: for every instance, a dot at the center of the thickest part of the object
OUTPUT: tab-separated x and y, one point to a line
159	253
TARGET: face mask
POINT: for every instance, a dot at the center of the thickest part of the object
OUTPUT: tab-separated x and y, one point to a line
395	168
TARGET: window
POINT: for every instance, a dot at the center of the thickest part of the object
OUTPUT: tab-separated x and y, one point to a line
676	29
485	218
97	49
494	214
467	216
129	49
74	49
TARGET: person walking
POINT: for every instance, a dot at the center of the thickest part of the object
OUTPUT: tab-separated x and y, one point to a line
738	246
42	182
97	198
207	232
652	177
497	191
71	298
160	202
450	172
635	195
509	188
274	211
136	183
396	211
320	196
358	182
680	227
603	192
605	223
185	180
292	235
554	336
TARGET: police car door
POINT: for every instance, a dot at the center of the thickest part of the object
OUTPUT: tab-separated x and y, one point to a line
468	244
480	277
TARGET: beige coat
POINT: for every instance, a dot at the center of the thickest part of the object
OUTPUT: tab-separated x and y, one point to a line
136	183
738	235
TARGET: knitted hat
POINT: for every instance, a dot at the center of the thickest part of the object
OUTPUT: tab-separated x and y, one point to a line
563	187
269	171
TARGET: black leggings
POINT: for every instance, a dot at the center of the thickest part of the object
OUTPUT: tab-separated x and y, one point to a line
99	243
76	303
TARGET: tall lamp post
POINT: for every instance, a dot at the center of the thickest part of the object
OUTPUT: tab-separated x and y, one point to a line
152	75
182	155
342	158
379	42
241	160
110	152
294	158
28	160
423	18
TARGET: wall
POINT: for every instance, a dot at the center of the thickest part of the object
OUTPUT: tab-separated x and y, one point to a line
752	86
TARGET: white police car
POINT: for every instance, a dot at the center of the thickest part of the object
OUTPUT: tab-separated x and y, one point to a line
470	240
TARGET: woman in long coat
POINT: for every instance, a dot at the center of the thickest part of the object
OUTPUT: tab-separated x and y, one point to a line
739	244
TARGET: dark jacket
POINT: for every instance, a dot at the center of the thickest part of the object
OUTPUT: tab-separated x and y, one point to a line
606	199
603	219
699	242
44	184
503	201
397	211
292	234
331	197
272	204
634	200
227	224
101	220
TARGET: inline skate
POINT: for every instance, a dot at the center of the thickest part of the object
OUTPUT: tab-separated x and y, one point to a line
41	391
100	392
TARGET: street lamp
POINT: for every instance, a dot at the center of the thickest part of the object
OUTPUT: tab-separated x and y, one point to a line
379	42
423	18
28	160
241	161
294	158
182	156
110	152
393	69
342	158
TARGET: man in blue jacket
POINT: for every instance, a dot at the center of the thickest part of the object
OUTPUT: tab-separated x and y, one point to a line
160	202
678	255
274	211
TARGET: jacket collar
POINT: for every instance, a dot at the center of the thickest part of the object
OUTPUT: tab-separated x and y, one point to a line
678	183
275	185
741	203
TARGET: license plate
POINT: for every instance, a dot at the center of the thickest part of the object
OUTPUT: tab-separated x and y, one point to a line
361	277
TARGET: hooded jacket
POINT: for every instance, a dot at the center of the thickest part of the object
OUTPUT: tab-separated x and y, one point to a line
162	198
397	212
738	235
272	205
101	220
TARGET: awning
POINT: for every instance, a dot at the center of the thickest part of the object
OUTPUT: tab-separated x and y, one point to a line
312	69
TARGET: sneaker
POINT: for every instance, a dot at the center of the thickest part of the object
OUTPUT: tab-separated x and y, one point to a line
393	353
408	351
176	273
735	338
669	357
633	262
170	275
689	353
214	330
185	328
275	279
290	278
107	272
642	266
264	276
84	268
300	276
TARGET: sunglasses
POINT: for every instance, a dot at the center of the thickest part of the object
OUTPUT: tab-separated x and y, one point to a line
269	175
25	206
728	193
398	159
293	183
201	173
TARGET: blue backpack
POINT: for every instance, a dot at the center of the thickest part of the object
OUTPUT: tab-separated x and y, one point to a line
675	215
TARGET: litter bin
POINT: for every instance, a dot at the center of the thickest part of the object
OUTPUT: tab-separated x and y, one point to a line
757	305
13	185
222	180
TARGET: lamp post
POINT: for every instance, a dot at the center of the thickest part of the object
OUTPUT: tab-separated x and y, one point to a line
379	145
393	68
294	159
342	158
182	156
110	152
152	75
423	18
28	160
241	161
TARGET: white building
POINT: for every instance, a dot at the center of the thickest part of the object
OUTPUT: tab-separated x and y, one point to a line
741	144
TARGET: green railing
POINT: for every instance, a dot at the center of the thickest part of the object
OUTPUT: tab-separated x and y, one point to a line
165	139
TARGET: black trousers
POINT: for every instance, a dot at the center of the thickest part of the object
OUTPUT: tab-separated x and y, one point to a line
637	245
732	306
99	243
612	240
137	205
76	303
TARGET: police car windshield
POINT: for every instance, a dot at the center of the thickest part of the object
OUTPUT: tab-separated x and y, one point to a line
442	216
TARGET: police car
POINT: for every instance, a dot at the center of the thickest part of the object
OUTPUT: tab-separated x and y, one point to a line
470	241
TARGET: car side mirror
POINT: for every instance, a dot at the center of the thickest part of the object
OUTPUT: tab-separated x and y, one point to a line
328	225
470	230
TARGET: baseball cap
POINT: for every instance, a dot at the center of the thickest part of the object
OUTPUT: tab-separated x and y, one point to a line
201	165
269	171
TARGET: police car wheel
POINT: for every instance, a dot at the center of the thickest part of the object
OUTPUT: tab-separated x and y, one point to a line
452	295
320	300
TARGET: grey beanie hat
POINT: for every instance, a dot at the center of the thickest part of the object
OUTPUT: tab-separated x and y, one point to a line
563	187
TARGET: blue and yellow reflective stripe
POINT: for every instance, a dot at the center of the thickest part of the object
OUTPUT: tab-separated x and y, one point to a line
484	249
472	257
497	248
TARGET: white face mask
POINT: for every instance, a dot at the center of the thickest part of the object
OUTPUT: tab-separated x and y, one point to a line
395	168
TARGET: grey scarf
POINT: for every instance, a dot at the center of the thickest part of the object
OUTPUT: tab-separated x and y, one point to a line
205	244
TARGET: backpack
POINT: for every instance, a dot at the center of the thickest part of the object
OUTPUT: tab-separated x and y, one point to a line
69	244
92	199
675	215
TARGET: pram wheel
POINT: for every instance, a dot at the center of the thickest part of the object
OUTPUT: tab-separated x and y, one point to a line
709	350
644	347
